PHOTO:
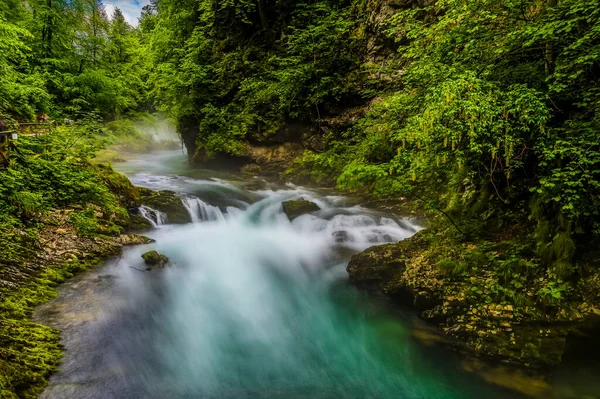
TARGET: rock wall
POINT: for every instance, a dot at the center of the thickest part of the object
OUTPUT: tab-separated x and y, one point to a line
275	152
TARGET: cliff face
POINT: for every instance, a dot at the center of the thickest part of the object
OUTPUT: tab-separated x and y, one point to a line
280	140
271	154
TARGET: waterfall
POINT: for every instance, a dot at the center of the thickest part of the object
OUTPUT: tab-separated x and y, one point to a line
156	218
200	211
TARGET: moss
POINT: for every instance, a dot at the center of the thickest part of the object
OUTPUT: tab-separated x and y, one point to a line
30	352
563	246
295	208
558	252
139	223
543	232
127	194
492	295
563	269
453	269
153	258
167	202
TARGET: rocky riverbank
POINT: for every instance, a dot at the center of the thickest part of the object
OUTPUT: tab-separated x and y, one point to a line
62	243
30	352
462	288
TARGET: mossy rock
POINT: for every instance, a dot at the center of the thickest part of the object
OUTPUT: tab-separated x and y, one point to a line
409	271
127	194
134	239
167	202
299	207
139	223
377	266
153	258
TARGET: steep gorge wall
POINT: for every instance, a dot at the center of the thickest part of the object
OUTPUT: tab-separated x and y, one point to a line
311	130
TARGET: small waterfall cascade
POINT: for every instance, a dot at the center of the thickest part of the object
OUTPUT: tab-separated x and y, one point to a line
254	305
155	217
200	211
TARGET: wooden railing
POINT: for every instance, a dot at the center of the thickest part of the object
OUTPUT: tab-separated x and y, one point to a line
23	129
36	129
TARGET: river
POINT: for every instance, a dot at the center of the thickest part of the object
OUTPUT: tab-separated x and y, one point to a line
251	305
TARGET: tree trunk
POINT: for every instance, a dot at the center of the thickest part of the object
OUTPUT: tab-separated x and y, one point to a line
263	15
549	51
47	32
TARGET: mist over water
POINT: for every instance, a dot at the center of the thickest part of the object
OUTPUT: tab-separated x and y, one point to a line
251	306
159	129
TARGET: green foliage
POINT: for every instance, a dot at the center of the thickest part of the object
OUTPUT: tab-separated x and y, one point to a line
20	93
67	58
453	269
497	104
54	171
85	222
238	73
51	181
553	293
320	168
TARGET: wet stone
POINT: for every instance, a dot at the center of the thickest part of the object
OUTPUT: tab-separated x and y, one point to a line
153	258
299	207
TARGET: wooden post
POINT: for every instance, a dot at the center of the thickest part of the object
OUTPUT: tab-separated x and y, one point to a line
4	150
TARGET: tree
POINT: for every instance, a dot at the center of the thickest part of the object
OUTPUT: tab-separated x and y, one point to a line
118	36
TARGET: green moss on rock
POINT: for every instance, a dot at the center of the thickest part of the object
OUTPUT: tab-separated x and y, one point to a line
139	223
167	202
153	258
127	194
377	266
299	207
30	352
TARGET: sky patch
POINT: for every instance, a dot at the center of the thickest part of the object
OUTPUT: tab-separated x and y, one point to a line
131	8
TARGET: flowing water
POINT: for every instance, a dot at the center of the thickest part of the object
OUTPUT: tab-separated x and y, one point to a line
251	305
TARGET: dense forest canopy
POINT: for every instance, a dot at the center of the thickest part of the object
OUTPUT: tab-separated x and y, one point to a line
476	107
69	58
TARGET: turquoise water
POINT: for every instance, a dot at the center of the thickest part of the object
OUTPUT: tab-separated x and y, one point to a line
251	306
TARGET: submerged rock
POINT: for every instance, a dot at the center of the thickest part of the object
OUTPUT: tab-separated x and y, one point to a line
340	236
167	202
153	258
299	207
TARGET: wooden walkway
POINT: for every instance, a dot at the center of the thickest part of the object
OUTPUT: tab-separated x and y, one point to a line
24	129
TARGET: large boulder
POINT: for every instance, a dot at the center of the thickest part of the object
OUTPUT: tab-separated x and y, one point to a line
299	207
381	267
167	202
529	334
153	258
